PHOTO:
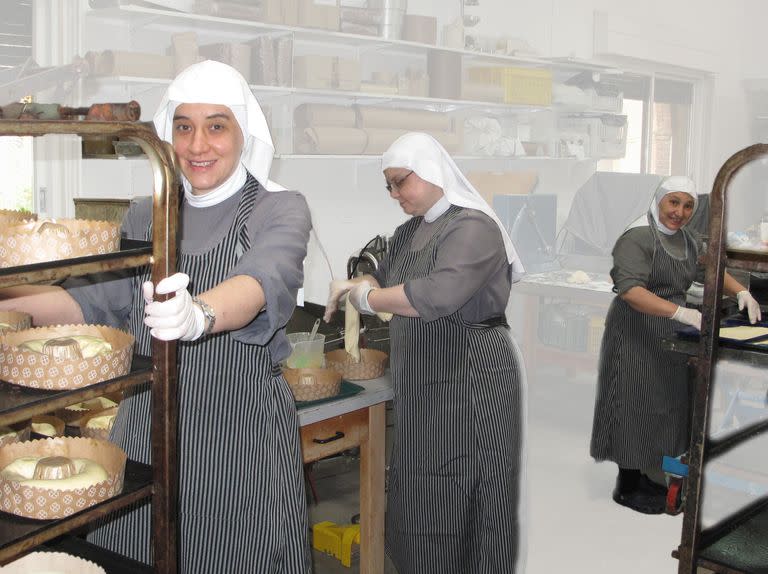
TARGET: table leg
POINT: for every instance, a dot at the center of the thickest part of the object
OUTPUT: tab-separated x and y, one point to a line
372	501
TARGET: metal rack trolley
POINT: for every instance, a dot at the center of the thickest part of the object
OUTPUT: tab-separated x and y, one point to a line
18	536
722	547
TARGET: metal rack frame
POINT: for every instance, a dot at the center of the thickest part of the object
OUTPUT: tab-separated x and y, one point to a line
702	447
161	255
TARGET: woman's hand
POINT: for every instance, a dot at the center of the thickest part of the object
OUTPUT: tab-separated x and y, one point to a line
358	297
745	299
176	318
339	287
688	316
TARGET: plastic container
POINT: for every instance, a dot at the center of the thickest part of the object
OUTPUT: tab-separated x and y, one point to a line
307	353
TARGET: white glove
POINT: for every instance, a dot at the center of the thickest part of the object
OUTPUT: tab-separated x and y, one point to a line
358	297
745	299
338	288
176	318
688	316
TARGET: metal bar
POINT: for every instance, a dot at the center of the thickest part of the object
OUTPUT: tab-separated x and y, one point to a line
708	353
164	389
717	447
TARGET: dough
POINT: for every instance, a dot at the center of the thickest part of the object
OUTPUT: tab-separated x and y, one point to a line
90	346
7	431
351	330
46	429
743	332
87	473
101	422
578	277
97	404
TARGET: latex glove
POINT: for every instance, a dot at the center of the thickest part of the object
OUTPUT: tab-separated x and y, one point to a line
745	299
176	318
688	316
339	287
358	296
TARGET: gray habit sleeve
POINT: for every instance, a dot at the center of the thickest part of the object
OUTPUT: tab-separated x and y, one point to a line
278	229
470	272
632	259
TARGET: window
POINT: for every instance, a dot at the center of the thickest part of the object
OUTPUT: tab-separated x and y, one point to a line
658	114
16	163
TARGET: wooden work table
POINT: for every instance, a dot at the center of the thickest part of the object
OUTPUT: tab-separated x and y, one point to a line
359	420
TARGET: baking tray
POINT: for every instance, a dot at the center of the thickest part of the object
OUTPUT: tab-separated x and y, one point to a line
756	343
346	390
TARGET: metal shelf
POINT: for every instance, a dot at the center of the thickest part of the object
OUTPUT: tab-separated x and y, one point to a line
19	535
21	403
132	254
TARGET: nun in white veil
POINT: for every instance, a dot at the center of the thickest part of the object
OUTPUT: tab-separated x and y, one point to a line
456	471
642	402
242	506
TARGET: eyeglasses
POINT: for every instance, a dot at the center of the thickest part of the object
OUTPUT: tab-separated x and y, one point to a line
396	185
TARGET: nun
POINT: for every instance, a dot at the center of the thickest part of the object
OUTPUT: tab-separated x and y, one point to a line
242	241
642	404
456	467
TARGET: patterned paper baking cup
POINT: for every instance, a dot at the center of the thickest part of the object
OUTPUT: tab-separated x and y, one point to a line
45	504
51	240
99	432
371	366
39	371
14	321
313	384
18	432
10	217
58	562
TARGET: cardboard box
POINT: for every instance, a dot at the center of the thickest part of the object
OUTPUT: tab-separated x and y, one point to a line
346	75
422	29
312	14
491	183
236	55
314	72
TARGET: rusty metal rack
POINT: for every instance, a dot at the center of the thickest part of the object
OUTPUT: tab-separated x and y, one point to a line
735	545
158	482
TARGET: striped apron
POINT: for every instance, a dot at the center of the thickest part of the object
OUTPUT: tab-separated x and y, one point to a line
241	488
641	408
454	479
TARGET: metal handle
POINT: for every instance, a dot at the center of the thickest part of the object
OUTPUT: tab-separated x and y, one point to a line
337	436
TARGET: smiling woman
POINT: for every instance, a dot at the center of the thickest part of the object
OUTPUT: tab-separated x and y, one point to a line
208	141
641	409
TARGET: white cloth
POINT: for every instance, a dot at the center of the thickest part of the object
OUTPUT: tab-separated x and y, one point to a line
210	82
666	186
428	159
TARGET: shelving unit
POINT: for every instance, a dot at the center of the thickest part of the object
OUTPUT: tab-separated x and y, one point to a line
736	544
151	28
18	535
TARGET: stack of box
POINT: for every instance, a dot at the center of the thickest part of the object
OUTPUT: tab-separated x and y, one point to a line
326	73
270	61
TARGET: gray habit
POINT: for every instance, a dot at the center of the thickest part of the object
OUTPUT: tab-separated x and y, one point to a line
641	408
454	485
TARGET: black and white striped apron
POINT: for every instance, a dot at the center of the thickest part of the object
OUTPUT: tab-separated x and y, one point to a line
641	408
241	490
454	478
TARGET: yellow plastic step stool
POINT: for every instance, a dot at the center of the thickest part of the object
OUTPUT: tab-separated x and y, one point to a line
336	539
